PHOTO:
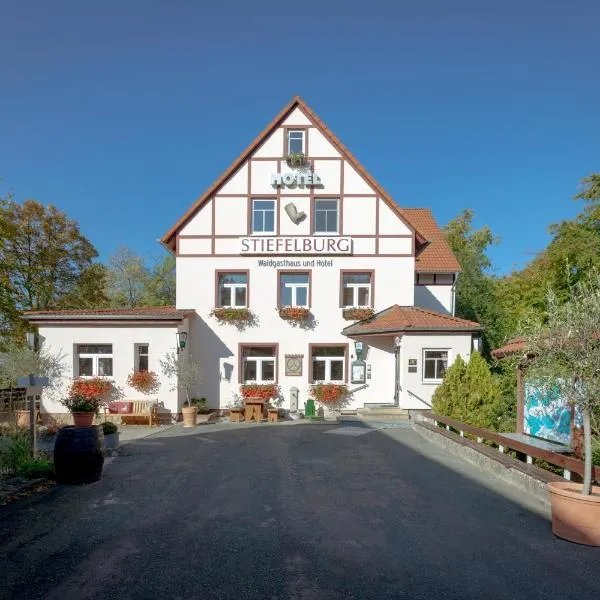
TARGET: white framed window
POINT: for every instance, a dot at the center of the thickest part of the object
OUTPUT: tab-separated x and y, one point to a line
259	364
328	364
142	353
326	215
232	290
356	289
295	140
94	360
263	216
435	363
294	289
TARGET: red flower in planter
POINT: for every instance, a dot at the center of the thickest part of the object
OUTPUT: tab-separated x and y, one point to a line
294	313
232	315
94	388
145	382
330	394
357	314
263	391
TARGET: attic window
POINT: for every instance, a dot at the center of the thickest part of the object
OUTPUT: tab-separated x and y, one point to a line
295	139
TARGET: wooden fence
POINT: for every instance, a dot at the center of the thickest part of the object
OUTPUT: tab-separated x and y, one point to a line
567	463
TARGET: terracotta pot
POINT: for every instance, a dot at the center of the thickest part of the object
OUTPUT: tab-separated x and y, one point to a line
575	517
189	415
83	419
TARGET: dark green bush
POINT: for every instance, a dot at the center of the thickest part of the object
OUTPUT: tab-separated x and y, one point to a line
35	468
109	428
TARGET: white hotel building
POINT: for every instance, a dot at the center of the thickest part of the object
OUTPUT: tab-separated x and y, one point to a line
268	234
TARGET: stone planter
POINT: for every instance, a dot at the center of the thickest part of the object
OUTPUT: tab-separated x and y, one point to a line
236	414
575	517
111	441
83	419
190	414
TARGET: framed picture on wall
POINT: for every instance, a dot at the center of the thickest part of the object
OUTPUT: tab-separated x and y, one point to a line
293	365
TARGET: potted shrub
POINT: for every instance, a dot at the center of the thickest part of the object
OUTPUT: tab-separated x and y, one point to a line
357	314
562	350
111	435
185	374
85	398
203	412
332	396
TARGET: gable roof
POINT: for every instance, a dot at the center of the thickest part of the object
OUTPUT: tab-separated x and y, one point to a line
168	239
397	319
436	256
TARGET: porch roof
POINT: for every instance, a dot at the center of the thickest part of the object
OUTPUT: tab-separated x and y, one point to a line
162	314
401	319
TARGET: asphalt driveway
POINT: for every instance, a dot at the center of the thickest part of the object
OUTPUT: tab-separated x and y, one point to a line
288	512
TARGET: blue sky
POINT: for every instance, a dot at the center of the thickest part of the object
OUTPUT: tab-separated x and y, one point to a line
122	113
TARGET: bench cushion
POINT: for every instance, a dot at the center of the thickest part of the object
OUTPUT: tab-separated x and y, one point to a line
120	408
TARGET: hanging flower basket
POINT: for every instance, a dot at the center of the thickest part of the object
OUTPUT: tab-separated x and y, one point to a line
232	315
357	314
296	159
294	313
265	391
332	395
145	382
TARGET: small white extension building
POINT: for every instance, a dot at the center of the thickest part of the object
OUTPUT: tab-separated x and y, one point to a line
295	221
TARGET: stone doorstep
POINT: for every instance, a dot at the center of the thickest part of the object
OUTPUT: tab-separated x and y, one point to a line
528	478
383	413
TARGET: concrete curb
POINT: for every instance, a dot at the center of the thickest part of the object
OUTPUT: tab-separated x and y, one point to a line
512	476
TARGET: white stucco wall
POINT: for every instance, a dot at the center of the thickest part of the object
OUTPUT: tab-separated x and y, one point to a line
413	387
161	340
439	298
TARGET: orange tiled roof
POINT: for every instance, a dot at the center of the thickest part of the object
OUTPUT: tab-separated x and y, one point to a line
409	318
436	257
512	346
144	312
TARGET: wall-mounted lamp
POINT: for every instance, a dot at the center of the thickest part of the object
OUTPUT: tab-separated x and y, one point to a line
181	340
359	348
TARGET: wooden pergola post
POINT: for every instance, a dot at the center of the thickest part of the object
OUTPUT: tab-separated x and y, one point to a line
520	397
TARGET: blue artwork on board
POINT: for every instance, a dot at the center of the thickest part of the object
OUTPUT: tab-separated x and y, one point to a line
547	414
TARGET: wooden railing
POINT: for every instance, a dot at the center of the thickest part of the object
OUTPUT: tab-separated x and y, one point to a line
567	463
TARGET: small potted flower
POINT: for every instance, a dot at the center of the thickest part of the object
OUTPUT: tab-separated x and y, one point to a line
111	435
296	160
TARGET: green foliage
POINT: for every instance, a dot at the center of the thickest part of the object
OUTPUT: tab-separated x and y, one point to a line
470	394
184	372
108	428
19	361
15	448
596	452
130	282
36	468
43	258
475	289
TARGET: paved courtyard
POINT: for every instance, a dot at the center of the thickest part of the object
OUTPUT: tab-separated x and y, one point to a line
292	512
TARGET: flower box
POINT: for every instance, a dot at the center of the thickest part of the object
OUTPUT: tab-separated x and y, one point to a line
357	314
296	159
294	313
232	315
265	391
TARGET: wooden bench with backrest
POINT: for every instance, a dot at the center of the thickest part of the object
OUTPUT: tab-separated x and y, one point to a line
135	412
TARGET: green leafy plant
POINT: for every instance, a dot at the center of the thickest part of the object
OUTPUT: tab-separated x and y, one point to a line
36	468
81	404
296	159
200	403
469	393
109	428
184	372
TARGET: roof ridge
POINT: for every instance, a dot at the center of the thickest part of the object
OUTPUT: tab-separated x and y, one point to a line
297	101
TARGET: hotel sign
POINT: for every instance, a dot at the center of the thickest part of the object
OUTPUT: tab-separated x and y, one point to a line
296	245
301	179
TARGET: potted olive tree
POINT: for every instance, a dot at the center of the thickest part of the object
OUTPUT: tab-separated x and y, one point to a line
563	351
185	374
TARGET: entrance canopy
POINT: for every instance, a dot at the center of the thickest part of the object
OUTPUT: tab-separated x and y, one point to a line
403	319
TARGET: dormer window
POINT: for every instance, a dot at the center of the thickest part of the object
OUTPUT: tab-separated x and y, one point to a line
296	141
